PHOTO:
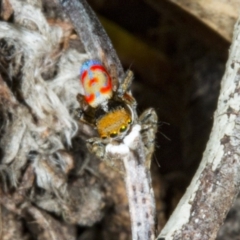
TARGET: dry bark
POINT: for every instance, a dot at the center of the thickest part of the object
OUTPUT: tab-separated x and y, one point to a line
204	206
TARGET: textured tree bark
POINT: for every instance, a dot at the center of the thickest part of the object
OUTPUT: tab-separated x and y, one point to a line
202	209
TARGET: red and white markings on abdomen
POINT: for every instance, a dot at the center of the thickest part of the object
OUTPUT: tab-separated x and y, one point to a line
96	82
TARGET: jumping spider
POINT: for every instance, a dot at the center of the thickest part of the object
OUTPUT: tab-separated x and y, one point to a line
112	113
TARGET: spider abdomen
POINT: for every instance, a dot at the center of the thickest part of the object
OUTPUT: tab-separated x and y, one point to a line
96	82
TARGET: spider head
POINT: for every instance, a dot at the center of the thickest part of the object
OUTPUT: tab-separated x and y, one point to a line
115	123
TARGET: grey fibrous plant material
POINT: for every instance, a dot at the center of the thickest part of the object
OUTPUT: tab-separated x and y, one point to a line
38	85
135	149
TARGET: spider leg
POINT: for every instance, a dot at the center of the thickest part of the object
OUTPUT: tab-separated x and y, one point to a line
148	121
85	113
82	101
114	77
125	85
97	146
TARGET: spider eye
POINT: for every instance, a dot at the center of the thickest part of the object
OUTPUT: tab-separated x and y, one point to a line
129	121
113	134
123	128
104	137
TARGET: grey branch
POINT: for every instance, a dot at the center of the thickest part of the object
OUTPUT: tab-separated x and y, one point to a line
202	209
93	36
42	144
138	184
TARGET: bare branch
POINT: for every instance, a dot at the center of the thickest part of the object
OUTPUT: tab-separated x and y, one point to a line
138	184
93	35
202	209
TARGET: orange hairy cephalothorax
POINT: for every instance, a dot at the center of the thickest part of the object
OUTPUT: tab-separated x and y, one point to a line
114	123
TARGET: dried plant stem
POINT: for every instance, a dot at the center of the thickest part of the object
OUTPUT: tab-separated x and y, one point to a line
94	38
202	209
131	151
138	185
140	197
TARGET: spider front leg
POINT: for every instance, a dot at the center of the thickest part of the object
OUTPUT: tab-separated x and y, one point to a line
124	92
97	146
148	121
125	85
82	101
85	113
114	77
79	112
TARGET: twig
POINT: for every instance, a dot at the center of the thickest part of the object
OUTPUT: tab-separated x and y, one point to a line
94	38
202	209
138	184
131	151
